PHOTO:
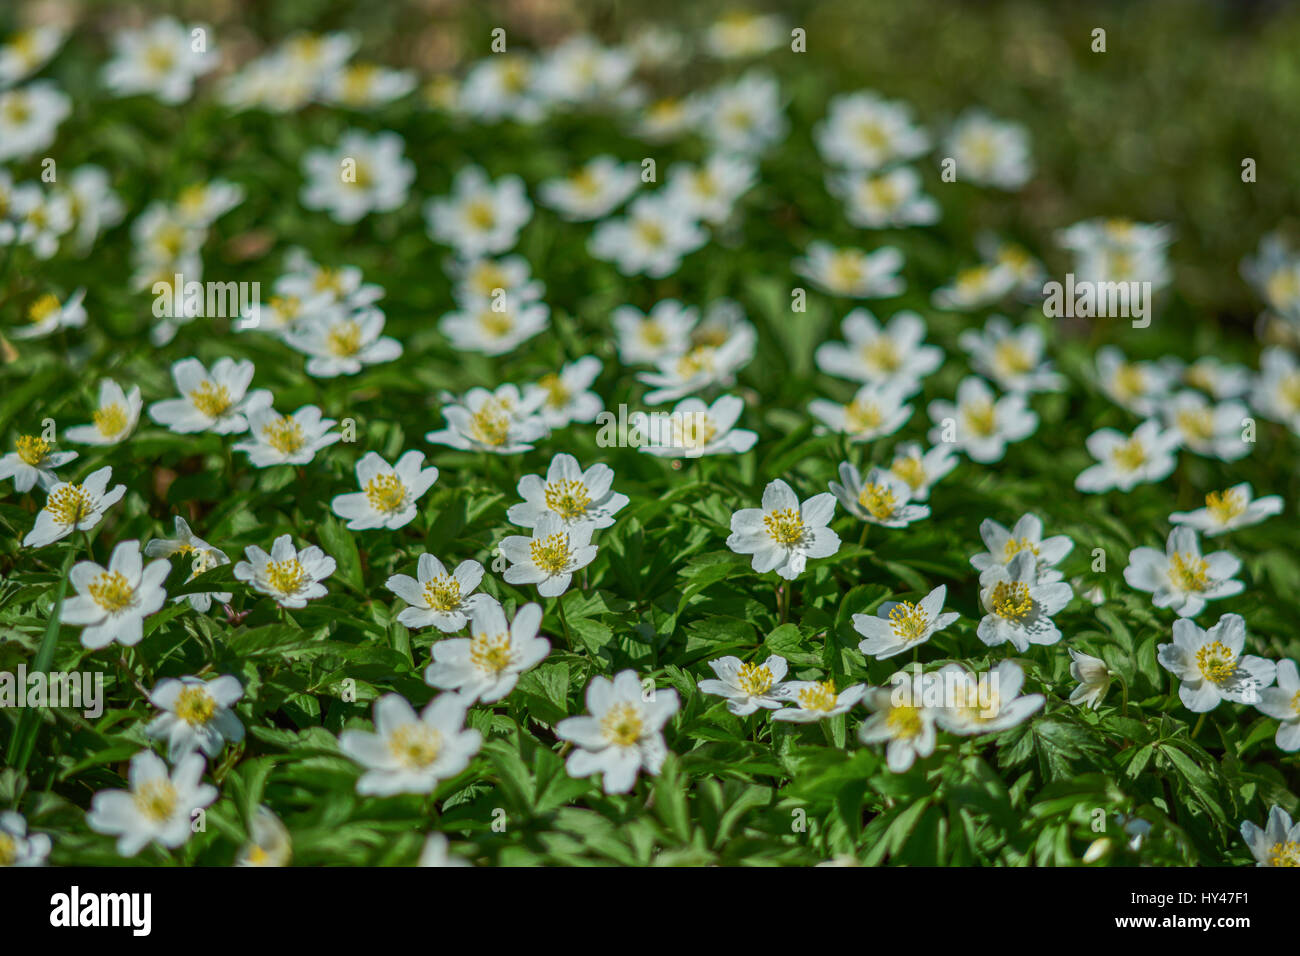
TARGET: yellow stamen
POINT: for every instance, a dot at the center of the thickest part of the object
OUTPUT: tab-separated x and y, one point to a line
195	706
1217	664
386	493
622	724
32	449
784	526
551	553
156	799
568	499
415	746
1011	600
111	591
442	593
1189	572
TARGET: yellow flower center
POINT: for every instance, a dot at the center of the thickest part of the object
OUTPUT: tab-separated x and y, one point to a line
43	308
211	399
1284	854
873	135
1188	572
357	82
694	429
882	191
910	470
17	111
386	493
557	393
344	339
415	746
980	417
442	593
550	554
68	504
568	499
193	197
496	325
1282	287
879	501
585	183
845	270
286	577
904	722
32	449
1196	424
1015	545
1130	455
695	361
881	353
907	621
480	214
328	280
1010	358
8	850
156	799
490	652
110	420
819	696
1011	600
862	416
1129	382
652	333
1288	392
159	58
1225	505
111	591
489	425
784	526
195	706
284	434
754	679
622	724
1217	664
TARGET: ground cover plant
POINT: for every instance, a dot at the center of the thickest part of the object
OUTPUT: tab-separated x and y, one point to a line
546	435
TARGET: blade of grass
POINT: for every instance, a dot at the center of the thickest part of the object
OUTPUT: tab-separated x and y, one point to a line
20	748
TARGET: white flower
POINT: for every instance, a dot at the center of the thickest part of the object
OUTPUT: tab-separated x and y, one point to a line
203	557
409	753
650	338
551	556
899	626
29	118
269	843
32	463
43	218
665	119
891	198
1094	679
1181	578
501	86
852	272
361	85
694	429
783	534
495	327
1278	843
435	853
894	353
74	507
196	715
1219	379
651	238
480	217
307	281
1013	358
901	717
594	190
817	700
485	280
743	116
875	411
275	439
1025	535
919	469
988	151
569	494
438	598
157	808
47	315
388	492
1206	429
1276	394
1019	605
1139	387
160	59
1027	271
360	175
579	70
214	402
1283	703
291	577
1227	510
747	687
1118	250
17	848
985	704
499	422
486	665
709	192
976	287
883	498
703	366
980	425
566	396
114	419
111	603
201	204
1124	463
622	734
1211	667
339	344
864	131
744	34
26	52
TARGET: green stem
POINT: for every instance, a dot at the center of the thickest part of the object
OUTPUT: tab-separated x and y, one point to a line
862	538
1197	729
564	621
20	748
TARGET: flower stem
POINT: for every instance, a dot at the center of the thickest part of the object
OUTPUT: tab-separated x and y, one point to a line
862	538
564	621
1197	729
